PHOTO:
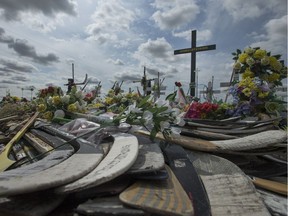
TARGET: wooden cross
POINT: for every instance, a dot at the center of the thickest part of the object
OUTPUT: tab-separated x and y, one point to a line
193	51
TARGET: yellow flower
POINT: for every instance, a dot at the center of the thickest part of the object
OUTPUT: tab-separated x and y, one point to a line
56	100
248	73
250	61
249	50
48	115
263	94
237	66
98	105
259	54
109	100
41	107
265	61
247	92
273	77
72	108
275	64
242	57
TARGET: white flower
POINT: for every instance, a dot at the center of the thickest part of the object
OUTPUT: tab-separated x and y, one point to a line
265	61
249	50
50	100
175	132
59	113
179	121
79	94
133	109
250	61
164	125
175	112
65	99
148	117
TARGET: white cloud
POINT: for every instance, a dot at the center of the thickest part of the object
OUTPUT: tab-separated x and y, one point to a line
247	9
159	49
115	62
202	35
174	14
111	19
276	33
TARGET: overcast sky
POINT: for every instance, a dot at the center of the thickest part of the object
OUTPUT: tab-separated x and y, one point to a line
113	40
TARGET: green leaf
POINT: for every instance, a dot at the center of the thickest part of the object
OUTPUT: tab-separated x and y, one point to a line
143	101
153	134
277	56
171	97
238	51
234	53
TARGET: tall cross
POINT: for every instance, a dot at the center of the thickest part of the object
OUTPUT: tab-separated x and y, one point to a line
193	51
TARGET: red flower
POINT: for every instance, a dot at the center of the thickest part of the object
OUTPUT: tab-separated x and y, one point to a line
178	84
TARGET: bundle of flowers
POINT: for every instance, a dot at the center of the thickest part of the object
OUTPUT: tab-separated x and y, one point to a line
256	62
207	110
51	101
261	73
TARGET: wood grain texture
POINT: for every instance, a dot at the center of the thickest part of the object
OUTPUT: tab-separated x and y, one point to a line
233	195
230	191
159	197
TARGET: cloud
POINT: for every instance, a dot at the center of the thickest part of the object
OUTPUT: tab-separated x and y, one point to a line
11	65
128	76
158	48
20	78
174	14
203	35
115	62
111	19
247	9
94	80
22	48
276	33
9	82
4	38
12	9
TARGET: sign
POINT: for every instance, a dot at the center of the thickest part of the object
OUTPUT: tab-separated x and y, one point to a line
195	49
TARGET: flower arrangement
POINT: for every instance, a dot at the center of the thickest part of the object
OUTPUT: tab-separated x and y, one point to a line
207	110
256	62
155	117
261	73
51	99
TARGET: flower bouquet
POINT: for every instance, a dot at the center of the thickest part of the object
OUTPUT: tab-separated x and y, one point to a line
261	73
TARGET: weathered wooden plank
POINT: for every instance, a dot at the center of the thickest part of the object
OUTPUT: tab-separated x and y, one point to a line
107	206
229	190
149	159
159	197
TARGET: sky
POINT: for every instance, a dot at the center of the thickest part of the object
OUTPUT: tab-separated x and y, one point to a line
112	40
